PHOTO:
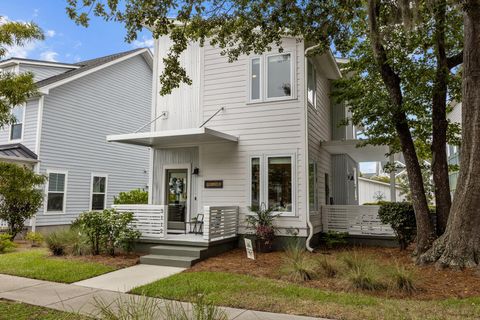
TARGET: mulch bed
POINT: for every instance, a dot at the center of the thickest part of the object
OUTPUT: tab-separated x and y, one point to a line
431	283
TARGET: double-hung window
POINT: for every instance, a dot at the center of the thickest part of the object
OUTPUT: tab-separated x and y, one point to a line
272	182
271	77
311	84
16	128
56	189
99	192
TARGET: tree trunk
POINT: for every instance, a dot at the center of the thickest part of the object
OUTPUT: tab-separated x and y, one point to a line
459	246
425	230
443	198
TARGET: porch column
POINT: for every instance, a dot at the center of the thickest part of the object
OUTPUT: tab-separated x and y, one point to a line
393	188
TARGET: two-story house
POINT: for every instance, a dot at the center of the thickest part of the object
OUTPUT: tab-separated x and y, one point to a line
260	130
60	132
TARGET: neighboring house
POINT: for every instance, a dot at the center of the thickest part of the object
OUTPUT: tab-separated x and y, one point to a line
370	191
260	130
61	131
453	152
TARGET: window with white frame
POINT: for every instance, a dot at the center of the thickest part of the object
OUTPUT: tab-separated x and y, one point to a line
271	77
312	186
277	192
311	84
56	191
16	128
99	192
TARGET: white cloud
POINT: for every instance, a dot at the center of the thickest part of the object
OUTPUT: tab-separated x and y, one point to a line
146	42
49	55
50	33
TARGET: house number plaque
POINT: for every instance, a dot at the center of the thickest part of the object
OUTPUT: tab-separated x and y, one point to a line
213	184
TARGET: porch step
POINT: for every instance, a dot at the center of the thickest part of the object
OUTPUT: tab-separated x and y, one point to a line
176	250
168	260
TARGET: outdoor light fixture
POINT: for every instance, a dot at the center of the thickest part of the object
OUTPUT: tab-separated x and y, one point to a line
196	171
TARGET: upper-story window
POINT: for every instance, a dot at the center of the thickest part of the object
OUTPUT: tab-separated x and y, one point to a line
271	77
16	129
311	84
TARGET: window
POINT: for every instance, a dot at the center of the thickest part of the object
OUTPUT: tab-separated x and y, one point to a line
16	129
255	185
277	192
56	192
311	84
99	192
279	76
312	186
255	81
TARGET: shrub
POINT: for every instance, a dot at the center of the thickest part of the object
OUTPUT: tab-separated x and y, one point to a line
401	217
136	196
20	195
298	265
327	267
35	238
333	239
261	221
6	243
364	278
67	241
107	230
403	279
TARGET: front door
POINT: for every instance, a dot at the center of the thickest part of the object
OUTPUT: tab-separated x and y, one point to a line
176	198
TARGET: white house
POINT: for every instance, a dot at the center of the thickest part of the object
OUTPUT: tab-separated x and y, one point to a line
262	129
61	131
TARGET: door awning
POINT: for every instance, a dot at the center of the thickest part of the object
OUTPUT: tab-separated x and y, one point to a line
359	154
172	138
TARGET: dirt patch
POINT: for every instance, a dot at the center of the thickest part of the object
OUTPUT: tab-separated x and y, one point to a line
431	283
118	261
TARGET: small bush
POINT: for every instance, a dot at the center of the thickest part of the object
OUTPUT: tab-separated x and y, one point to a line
136	196
6	244
403	279
401	217
35	238
364	278
352	260
333	239
298	265
58	241
327	267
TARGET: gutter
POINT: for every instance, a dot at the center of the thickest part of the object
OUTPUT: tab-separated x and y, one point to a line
305	79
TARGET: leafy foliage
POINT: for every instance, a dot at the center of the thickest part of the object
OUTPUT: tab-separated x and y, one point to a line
107	230
35	238
20	196
136	196
401	217
334	238
261	221
15	89
68	241
6	243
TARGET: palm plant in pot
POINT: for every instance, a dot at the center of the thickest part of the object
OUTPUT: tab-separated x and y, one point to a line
261	222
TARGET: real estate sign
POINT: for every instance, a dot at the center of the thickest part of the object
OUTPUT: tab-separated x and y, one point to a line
249	248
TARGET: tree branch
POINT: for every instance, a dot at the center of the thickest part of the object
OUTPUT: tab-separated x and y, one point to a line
455	60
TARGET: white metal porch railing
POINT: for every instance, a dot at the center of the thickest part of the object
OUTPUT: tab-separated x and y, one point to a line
220	222
150	220
354	220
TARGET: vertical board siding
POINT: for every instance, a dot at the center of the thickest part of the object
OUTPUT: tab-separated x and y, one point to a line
369	189
76	120
29	127
42	72
319	129
343	189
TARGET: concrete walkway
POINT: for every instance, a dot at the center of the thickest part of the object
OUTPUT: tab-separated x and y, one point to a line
74	298
124	280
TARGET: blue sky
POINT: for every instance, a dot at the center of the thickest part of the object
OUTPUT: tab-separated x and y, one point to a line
64	40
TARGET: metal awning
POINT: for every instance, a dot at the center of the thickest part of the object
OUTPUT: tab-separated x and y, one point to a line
17	152
171	138
359	154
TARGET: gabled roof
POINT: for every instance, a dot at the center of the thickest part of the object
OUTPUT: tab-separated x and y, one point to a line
14	61
87	65
17	152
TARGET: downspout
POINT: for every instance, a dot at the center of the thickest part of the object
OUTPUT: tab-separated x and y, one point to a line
305	80
41	101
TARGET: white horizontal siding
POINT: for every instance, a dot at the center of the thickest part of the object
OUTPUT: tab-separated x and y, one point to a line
369	190
76	120
29	127
41	72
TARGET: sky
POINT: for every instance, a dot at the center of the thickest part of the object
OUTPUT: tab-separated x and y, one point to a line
64	40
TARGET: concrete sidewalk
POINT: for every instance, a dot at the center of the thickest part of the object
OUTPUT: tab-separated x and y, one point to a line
74	298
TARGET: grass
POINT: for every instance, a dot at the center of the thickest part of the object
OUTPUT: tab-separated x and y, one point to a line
21	311
242	291
37	264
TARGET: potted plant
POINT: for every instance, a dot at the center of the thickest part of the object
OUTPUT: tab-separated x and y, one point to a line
261	222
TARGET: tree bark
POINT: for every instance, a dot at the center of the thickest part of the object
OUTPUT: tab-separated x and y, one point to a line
459	246
443	199
425	230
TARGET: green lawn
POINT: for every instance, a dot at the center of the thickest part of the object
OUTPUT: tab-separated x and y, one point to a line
37	264
243	291
21	311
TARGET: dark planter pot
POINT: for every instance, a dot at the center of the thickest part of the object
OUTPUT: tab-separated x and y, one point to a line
263	246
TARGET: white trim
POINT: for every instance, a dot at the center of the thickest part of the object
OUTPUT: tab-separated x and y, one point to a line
314	102
37	63
10	140
293	86
249	82
41	102
187	166
294	182
100	175
249	170
45	207
47	88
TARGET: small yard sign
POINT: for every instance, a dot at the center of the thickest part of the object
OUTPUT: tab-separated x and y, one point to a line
249	248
